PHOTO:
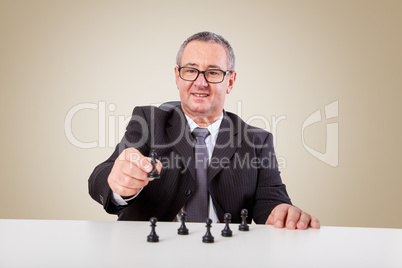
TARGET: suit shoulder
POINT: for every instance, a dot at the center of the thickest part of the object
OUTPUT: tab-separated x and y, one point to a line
151	112
243	126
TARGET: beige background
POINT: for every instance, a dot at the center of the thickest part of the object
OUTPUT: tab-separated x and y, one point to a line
293	58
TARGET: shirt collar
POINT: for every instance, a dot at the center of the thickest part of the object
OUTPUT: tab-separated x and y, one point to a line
213	128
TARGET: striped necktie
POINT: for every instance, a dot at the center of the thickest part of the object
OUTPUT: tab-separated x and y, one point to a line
197	206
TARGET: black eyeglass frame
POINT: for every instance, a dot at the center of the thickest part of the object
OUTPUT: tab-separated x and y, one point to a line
203	72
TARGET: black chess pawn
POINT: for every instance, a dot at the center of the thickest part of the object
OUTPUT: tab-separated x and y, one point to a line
183	229
243	226
154	173
153	237
208	238
226	232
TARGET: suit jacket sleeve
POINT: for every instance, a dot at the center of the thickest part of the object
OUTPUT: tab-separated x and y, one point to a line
136	136
270	189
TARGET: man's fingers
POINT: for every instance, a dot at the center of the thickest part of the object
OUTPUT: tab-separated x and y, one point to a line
293	217
132	183
134	171
304	221
279	215
130	172
125	185
158	166
315	223
136	159
136	165
270	220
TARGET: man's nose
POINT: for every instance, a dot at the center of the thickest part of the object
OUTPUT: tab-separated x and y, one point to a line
201	81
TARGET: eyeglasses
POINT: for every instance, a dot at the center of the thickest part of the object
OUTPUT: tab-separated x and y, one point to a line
213	76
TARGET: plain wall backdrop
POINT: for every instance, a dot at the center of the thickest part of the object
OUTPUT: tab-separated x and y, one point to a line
72	71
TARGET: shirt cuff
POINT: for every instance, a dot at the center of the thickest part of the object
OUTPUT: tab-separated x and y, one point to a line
123	201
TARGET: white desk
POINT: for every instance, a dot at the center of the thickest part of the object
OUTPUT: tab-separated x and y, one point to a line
47	243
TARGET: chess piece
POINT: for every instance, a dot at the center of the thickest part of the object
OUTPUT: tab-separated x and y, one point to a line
153	237
226	232
208	238
243	226
154	173
183	229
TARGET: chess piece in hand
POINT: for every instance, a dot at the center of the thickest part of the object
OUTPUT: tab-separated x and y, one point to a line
154	173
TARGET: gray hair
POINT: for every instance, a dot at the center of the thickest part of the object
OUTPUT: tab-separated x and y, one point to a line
211	38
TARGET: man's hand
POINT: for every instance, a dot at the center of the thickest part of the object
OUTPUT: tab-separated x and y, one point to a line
130	172
294	217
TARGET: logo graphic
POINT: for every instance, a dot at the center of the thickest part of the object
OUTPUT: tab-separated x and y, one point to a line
330	156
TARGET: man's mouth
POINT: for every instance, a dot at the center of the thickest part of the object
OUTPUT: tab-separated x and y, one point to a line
200	95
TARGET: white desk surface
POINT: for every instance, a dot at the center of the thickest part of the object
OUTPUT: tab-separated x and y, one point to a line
56	243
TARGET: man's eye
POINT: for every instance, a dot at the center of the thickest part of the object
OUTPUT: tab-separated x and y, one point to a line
190	71
213	73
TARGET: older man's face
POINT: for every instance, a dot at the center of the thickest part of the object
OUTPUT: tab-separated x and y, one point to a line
202	100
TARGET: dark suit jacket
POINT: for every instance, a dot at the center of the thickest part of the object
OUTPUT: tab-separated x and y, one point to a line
243	171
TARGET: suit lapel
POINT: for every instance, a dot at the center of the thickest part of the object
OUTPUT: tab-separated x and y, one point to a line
181	139
226	145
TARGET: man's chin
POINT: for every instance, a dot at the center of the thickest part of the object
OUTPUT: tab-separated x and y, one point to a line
198	110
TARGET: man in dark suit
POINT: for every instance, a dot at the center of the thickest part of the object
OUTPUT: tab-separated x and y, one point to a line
241	170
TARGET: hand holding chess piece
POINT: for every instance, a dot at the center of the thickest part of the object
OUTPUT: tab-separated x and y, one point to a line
130	173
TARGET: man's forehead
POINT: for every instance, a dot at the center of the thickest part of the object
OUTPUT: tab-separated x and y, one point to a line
196	65
198	53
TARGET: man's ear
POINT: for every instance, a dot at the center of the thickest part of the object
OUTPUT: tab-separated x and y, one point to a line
176	72
232	79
